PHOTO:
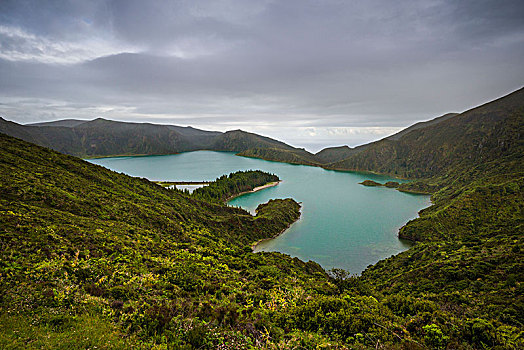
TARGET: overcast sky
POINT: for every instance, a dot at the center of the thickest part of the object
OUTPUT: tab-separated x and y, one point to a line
311	73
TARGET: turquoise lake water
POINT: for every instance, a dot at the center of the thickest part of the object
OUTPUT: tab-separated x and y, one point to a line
343	224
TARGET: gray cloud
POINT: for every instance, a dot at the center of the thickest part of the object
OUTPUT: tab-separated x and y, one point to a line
269	67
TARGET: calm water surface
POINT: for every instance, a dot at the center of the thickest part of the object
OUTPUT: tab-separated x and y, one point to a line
343	224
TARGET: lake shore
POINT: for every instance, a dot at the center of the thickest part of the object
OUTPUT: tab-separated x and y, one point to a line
334	198
271	184
174	183
254	245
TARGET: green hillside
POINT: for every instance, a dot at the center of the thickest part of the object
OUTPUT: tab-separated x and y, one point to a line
94	258
481	134
420	125
468	259
101	137
84	247
469	256
293	156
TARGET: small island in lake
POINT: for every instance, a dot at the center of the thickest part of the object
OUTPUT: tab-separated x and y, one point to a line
370	183
390	184
235	184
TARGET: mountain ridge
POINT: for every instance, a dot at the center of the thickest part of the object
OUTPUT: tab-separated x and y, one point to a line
86	250
102	137
429	150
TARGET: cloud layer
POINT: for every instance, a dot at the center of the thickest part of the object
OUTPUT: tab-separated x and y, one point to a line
273	67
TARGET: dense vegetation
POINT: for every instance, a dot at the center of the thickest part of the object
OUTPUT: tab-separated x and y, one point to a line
281	155
231	185
94	258
85	249
469	258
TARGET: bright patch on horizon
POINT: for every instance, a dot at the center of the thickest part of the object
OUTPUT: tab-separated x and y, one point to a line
17	44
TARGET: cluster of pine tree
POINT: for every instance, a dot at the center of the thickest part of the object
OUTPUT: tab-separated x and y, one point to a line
228	186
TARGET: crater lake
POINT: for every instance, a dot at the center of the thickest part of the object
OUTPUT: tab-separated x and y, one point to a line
343	224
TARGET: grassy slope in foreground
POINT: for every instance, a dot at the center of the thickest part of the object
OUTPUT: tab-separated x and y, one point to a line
460	287
79	240
128	264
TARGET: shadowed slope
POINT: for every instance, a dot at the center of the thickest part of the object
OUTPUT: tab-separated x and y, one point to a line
481	134
101	137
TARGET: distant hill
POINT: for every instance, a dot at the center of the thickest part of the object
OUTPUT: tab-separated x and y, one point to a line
332	157
68	123
293	156
71	123
335	154
238	141
421	150
427	149
101	137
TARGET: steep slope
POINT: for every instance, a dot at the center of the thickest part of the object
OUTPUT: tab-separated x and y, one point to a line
106	137
468	257
68	123
481	134
334	154
293	156
62	139
420	125
21	132
91	258
79	238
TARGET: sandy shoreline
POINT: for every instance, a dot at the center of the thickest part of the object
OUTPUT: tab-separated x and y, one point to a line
271	184
254	245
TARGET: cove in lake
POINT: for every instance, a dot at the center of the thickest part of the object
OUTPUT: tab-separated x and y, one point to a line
343	224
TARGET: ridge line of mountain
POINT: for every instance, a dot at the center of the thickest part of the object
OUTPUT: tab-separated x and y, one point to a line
405	154
249	144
